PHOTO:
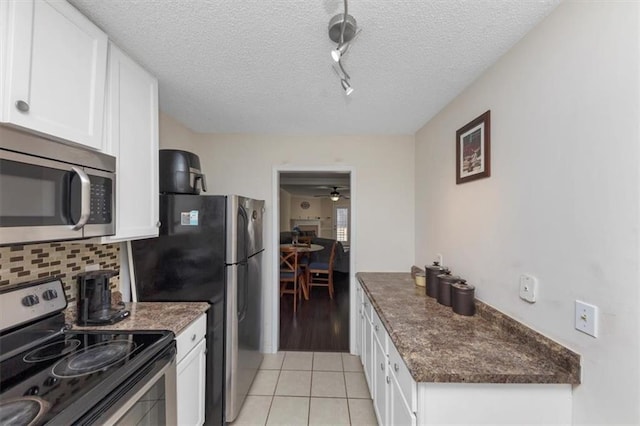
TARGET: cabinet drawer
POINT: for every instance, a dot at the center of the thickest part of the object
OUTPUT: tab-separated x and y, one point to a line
401	372
190	336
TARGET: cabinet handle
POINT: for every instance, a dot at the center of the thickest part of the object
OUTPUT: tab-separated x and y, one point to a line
22	106
388	380
396	367
382	366
193	338
377	328
158	224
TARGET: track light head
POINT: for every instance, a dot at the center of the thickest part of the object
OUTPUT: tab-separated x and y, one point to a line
337	53
348	90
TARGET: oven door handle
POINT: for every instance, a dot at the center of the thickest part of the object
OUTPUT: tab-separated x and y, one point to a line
85	198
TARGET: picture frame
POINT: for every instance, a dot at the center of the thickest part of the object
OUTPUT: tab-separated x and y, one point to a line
473	149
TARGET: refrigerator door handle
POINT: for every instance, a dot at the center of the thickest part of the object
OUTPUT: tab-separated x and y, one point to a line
242	310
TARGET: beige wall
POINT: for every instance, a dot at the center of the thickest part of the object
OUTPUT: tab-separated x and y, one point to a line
244	164
313	212
562	203
285	210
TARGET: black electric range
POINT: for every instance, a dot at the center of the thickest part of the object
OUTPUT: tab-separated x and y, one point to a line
51	374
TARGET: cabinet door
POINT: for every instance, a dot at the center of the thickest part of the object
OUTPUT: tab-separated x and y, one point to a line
53	71
359	317
132	137
367	354
399	412
381	382
191	374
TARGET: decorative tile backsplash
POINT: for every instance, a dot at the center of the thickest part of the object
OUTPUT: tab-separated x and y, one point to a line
19	264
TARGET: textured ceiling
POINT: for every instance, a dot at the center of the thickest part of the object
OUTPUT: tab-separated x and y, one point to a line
263	66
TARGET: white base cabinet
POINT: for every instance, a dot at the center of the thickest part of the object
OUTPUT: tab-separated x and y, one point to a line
398	400
132	137
191	373
53	64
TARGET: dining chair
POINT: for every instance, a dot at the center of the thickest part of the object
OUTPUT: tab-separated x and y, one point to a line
291	273
320	274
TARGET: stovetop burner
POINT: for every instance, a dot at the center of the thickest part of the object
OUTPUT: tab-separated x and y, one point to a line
93	358
52	350
22	411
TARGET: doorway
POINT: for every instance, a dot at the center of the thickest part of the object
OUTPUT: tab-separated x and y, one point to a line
317	204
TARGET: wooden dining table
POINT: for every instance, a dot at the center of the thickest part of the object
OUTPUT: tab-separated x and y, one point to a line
303	248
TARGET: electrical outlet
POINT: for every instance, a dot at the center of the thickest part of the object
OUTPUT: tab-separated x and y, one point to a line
92	267
587	318
528	288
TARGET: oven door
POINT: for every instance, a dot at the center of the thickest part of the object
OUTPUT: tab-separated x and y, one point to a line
147	398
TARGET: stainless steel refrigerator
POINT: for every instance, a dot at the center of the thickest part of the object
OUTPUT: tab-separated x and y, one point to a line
210	249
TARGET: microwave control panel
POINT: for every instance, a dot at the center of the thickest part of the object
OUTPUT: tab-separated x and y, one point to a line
101	200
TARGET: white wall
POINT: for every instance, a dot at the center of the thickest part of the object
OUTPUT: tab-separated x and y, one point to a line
244	164
563	199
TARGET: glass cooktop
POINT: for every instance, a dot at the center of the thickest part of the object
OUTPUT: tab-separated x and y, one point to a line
71	373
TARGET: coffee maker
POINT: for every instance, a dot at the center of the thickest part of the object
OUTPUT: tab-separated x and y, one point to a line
94	299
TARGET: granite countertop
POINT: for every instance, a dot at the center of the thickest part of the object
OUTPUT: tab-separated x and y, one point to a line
172	316
438	345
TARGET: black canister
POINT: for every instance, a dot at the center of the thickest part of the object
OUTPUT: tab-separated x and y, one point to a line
463	298
444	287
432	278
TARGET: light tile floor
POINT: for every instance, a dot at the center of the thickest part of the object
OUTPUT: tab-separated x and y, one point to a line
308	388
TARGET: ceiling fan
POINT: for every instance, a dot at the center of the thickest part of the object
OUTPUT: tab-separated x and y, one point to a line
334	195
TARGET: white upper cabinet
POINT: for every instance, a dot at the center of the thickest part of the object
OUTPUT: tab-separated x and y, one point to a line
53	70
132	137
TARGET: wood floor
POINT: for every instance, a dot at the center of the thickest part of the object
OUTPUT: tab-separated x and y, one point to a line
321	324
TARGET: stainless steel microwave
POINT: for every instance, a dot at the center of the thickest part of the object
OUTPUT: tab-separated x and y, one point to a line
50	191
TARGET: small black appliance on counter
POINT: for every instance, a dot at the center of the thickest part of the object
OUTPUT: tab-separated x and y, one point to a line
94	299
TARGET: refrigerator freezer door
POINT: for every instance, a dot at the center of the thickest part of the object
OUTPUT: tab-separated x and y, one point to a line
246	213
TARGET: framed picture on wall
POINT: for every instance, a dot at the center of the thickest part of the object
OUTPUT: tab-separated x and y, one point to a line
473	149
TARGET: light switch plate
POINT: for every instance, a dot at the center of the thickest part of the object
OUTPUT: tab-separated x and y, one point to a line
528	288
587	318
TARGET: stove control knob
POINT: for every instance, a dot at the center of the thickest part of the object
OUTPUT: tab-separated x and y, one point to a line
49	294
50	381
33	390
30	300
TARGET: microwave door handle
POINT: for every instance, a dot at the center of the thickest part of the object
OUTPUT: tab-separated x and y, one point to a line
85	198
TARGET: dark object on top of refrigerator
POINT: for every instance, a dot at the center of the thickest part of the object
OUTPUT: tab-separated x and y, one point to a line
94	299
180	172
210	249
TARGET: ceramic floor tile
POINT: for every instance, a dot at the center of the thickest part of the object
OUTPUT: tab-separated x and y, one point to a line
298	361
328	411
327	361
328	383
356	385
294	383
289	410
272	361
361	412
351	362
265	382
254	411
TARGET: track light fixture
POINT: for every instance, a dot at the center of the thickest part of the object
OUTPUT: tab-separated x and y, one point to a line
348	90
343	30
